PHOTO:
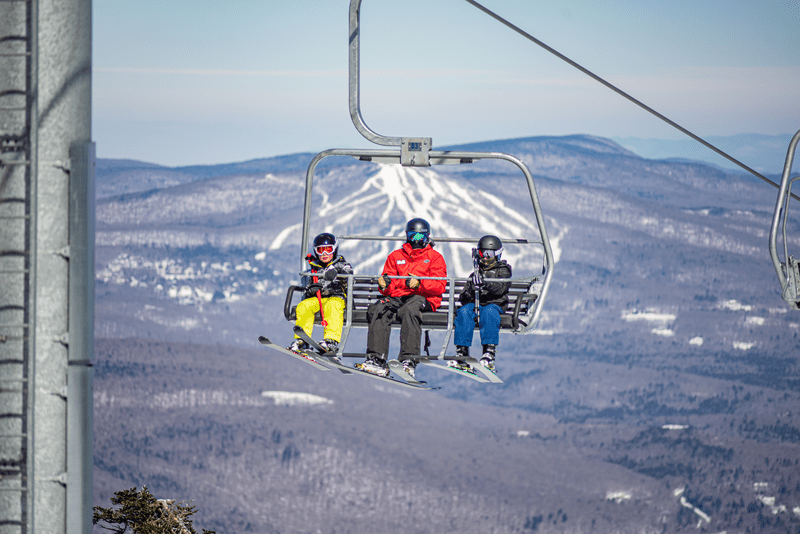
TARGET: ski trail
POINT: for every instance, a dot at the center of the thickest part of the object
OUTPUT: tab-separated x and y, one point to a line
395	194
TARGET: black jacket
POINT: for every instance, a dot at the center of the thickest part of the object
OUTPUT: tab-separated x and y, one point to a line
491	292
335	288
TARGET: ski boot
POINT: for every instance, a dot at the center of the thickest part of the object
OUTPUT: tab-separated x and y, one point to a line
487	360
298	346
374	364
330	347
410	366
461	365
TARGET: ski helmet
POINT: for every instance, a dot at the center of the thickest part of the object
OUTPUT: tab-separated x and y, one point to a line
325	243
490	248
418	233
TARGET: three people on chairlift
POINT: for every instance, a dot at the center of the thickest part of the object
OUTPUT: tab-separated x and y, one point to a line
406	295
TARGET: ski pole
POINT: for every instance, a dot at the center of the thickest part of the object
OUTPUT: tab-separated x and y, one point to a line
477	286
322	321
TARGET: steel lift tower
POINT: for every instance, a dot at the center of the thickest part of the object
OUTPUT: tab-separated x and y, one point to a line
46	266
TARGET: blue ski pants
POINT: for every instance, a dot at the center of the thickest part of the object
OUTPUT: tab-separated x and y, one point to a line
489	325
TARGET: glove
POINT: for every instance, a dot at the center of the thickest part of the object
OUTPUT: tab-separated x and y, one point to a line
412	283
476	279
330	275
313	288
384	281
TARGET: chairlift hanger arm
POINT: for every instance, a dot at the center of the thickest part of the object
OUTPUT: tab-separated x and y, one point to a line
625	95
781	209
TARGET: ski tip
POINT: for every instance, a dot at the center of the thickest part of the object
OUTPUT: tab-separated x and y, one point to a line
263	340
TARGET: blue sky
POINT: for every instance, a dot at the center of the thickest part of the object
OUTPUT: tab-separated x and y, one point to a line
181	82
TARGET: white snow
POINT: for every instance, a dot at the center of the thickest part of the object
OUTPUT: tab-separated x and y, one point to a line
735	306
288	398
662	320
696	341
648	315
741	345
665	332
396	194
283	235
618	496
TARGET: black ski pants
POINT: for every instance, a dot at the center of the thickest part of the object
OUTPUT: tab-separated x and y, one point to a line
380	315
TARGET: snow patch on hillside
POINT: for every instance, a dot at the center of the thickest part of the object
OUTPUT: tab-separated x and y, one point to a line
396	194
289	398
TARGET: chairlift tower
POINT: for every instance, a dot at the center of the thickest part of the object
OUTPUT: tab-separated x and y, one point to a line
46	266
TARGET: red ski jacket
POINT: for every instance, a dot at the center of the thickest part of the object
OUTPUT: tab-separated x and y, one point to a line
408	261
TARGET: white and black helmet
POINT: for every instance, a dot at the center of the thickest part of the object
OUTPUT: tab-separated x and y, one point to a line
326	243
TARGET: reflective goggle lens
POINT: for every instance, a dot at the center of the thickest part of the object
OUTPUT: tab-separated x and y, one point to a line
416	236
325	249
488	253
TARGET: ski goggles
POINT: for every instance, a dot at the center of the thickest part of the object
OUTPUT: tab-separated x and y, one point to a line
490	253
325	249
416	236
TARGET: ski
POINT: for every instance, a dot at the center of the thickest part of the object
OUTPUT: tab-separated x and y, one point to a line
477	368
330	359
398	369
305	358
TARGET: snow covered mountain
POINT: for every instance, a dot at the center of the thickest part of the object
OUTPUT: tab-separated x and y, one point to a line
659	392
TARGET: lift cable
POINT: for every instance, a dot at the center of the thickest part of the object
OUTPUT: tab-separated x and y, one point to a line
624	94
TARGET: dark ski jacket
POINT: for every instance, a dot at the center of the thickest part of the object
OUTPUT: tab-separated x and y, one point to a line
335	288
491	292
409	261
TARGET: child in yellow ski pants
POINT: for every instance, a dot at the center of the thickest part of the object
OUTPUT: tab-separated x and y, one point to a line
328	288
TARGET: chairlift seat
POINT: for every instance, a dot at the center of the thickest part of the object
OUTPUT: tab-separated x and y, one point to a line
365	291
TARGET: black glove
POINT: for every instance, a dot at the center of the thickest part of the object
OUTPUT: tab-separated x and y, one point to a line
313	288
384	278
330	274
412	283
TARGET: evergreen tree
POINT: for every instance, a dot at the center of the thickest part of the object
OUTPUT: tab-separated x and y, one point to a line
139	512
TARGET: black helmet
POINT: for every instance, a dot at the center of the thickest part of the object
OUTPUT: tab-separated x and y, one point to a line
489	250
418	233
325	242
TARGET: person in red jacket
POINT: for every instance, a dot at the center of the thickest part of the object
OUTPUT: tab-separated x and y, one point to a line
406	298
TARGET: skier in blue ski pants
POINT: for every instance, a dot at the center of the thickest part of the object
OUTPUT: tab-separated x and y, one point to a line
493	300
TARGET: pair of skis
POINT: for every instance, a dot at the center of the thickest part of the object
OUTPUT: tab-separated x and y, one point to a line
325	361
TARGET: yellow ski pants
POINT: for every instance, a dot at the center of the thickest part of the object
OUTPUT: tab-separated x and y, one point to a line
333	311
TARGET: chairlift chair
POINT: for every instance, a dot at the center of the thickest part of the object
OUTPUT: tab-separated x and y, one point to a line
417	152
788	270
